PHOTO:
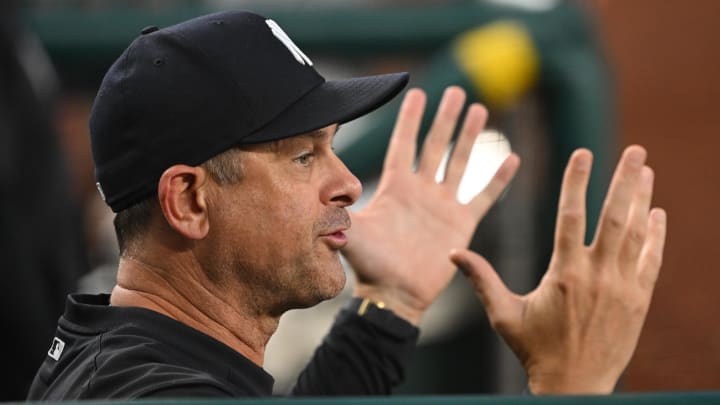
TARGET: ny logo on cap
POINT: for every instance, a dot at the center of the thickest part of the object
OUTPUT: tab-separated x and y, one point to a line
289	44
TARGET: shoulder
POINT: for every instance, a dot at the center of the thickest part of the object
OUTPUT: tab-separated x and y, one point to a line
145	361
158	381
124	363
121	353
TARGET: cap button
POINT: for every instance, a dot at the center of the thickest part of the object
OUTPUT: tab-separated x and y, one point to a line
149	29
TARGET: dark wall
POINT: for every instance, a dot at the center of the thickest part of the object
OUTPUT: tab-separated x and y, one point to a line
666	56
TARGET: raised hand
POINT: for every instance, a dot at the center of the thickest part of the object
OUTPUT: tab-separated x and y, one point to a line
399	244
576	332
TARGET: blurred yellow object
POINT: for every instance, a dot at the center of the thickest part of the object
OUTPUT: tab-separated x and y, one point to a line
500	60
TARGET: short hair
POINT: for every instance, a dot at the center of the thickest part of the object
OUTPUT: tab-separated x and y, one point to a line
134	221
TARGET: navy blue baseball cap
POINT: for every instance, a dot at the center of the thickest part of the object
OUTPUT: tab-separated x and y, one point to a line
185	93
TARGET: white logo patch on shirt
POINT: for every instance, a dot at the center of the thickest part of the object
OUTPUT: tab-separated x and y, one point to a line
289	44
56	349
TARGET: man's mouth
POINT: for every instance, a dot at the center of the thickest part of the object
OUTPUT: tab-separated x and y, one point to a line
332	227
336	239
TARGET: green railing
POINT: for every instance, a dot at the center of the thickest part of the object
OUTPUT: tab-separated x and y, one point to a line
690	398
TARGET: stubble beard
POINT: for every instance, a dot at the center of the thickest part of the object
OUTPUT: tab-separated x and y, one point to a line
312	277
317	282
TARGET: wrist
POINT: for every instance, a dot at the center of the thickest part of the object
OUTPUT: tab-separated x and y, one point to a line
569	383
391	300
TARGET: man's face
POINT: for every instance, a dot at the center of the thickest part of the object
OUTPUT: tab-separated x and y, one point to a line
276	234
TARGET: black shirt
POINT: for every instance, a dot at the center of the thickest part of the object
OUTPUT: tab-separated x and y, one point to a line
104	352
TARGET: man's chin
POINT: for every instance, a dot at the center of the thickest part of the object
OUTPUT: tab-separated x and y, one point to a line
335	289
330	288
323	290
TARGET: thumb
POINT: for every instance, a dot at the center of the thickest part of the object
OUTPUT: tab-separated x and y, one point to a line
494	295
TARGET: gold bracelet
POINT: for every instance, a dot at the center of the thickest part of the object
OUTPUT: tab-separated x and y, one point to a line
362	309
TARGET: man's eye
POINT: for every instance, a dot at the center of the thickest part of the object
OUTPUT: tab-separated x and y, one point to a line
305	159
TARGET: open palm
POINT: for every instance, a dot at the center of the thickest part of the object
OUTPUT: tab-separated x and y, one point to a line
576	332
399	244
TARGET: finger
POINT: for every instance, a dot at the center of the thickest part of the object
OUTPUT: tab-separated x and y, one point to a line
571	218
651	255
635	233
474	123
441	130
613	219
499	302
401	151
482	202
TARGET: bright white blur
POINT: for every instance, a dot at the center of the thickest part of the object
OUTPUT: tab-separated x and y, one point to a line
490	150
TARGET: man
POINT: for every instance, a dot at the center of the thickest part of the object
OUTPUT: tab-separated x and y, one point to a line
212	141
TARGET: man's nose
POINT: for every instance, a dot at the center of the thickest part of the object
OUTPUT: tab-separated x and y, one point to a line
343	187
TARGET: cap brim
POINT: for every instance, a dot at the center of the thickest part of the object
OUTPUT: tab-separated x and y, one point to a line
331	102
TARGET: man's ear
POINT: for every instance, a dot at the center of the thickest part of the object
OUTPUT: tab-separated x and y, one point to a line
182	192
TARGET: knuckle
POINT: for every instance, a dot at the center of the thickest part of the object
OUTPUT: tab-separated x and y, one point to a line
614	222
565	243
434	140
636	234
572	216
569	282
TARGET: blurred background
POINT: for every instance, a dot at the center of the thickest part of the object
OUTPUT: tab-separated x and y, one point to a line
556	75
